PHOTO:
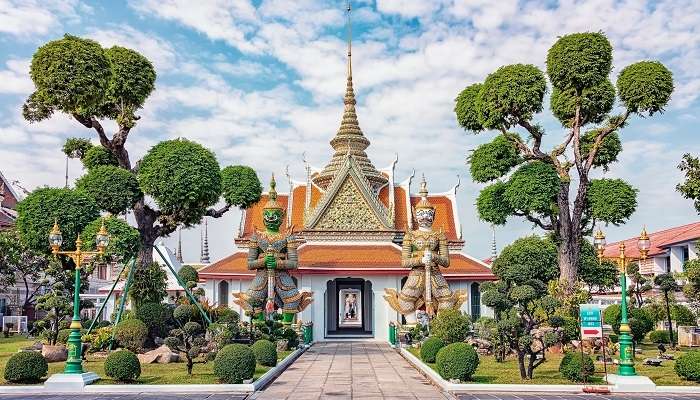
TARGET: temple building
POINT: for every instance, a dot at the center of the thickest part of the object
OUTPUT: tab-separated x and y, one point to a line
351	218
8	202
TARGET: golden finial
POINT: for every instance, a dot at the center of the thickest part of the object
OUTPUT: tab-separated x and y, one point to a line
424	203
272	203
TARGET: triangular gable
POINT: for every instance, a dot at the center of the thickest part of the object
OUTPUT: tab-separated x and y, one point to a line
349	204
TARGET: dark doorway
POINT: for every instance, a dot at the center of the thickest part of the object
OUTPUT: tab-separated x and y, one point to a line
349	307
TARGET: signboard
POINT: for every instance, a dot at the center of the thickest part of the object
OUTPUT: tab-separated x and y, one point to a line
591	320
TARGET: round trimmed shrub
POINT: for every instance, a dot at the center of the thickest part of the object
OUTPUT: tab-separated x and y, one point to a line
659	336
576	367
123	366
234	363
265	352
688	366
131	334
62	336
457	361
613	338
430	348
26	367
451	326
155	316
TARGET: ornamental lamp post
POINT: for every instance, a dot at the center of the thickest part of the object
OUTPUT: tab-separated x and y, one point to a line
74	364
626	365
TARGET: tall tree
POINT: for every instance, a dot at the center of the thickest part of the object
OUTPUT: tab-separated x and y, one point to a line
690	189
667	284
91	84
21	265
552	188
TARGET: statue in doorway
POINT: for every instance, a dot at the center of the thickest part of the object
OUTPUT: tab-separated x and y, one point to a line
272	254
424	251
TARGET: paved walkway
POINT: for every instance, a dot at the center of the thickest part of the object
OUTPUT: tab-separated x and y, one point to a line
554	396
351	370
125	396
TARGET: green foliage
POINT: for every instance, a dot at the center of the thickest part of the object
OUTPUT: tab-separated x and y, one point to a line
188	274
595	103
457	361
155	316
576	367
607	153
641	323
659	336
613	338
509	95
265	352
688	366
98	156
76	147
99	338
26	367
645	87
430	348
579	61
124	240
492	205
533	188
611	316
133	80
185	313
36	214
683	315
569	327
131	334
493	160
467	110
62	337
598	275
123	366
528	259
189	339
114	189
183	177
20	264
292	338
450	326
70	75
148	285
240	186
234	363
611	200
690	189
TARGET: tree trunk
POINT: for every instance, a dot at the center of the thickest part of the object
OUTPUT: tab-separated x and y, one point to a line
147	232
568	232
668	318
521	364
530	365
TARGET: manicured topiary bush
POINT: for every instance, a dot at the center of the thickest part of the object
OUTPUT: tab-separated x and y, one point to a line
265	352
234	363
576	367
155	316
62	336
123	366
613	338
451	326
131	334
26	367
659	336
688	366
430	348
457	361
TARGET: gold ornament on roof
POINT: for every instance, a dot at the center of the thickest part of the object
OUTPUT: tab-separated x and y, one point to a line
424	203
272	203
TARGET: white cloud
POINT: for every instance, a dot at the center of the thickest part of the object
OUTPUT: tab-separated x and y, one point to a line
15	79
31	17
159	51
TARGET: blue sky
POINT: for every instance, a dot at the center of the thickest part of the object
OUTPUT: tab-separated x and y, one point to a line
261	83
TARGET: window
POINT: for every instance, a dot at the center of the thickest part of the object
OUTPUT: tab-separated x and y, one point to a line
476	300
686	254
667	264
223	293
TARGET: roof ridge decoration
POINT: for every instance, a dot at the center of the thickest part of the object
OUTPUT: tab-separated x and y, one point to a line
349	138
348	202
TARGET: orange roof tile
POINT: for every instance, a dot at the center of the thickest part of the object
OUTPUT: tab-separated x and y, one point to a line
332	258
444	215
659	240
253	215
400	209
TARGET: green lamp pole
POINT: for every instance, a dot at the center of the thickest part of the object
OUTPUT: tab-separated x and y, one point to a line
626	365
74	364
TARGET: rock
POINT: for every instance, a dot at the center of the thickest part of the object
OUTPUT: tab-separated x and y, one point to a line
54	353
37	346
282	345
161	355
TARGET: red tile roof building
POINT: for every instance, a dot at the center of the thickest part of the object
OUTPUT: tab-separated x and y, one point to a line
8	202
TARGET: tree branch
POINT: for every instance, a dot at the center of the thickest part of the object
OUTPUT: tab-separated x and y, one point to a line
602	134
217	213
535	220
93	123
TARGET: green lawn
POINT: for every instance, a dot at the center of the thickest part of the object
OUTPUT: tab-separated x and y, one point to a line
490	371
150	373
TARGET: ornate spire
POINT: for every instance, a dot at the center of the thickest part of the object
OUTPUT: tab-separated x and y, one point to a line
204	258
272	203
494	251
178	254
424	202
349	139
